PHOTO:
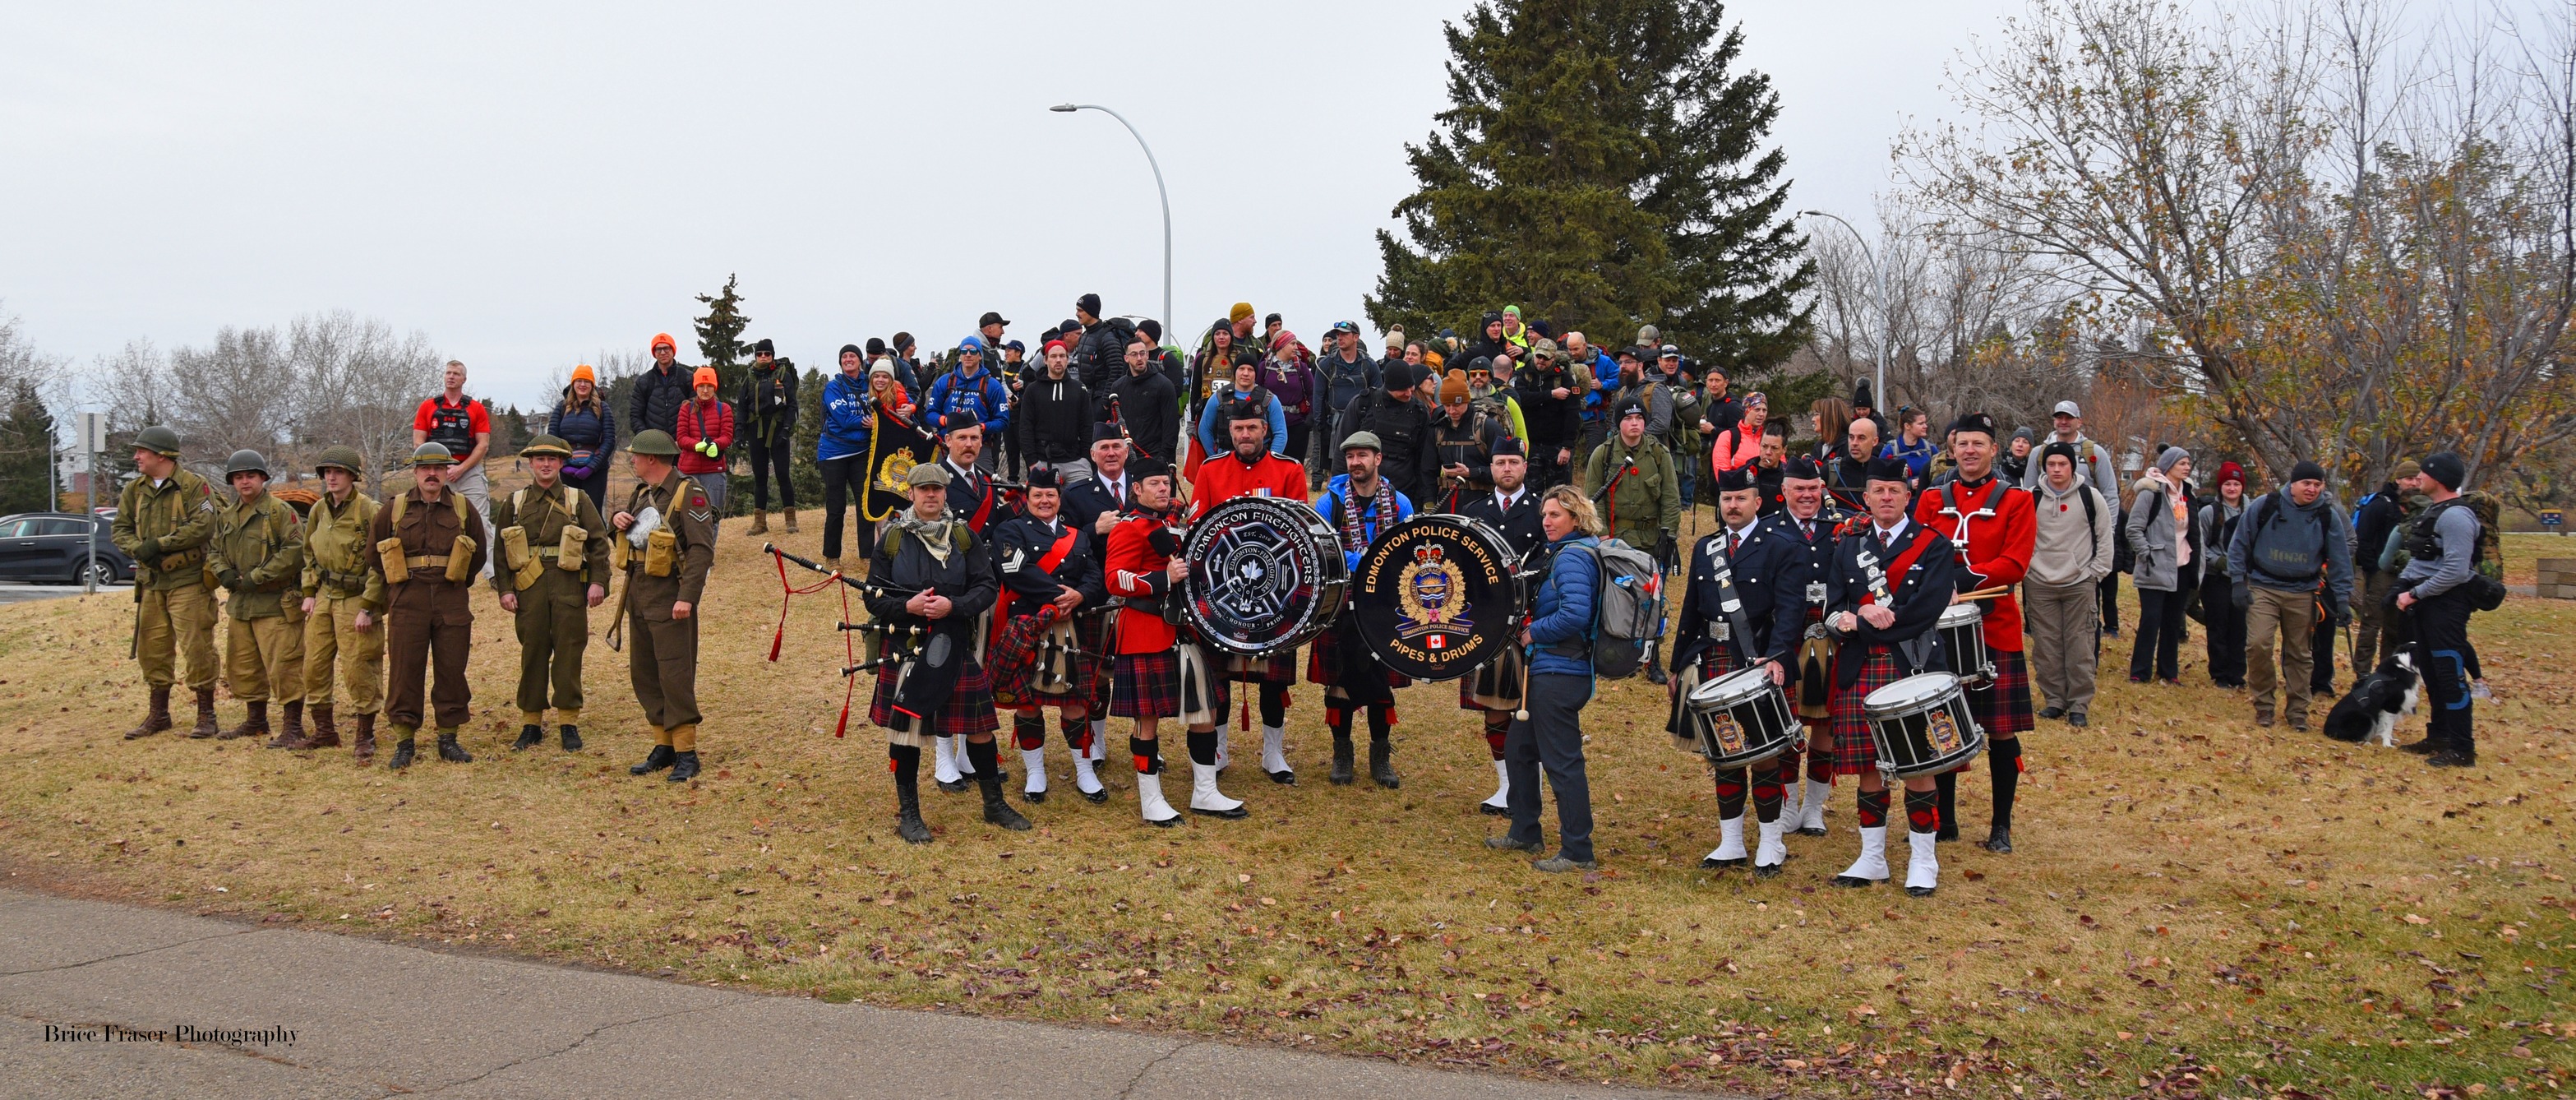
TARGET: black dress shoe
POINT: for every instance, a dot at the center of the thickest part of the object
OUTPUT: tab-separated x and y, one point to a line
1919	891
654	761
684	767
530	736
1999	840
1816	831
2053	713
2078	721
1490	810
1095	797
1774	870
1236	814
954	786
2425	747
1945	834
1284	779
1033	797
2453	758
1712	862
571	737
1854	883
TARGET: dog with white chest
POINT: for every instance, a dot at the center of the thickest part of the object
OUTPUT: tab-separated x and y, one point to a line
2369	714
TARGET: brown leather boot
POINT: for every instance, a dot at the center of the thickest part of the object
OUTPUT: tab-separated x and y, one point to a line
155	720
293	732
791	522
206	724
322	736
759	524
366	745
252	725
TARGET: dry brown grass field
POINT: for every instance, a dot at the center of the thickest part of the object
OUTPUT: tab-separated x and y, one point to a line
2198	907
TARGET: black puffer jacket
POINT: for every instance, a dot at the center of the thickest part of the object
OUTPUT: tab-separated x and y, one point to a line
655	404
766	408
1403	429
1100	357
1053	420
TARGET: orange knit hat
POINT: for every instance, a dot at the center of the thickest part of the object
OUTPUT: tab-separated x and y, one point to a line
663	339
583	373
706	376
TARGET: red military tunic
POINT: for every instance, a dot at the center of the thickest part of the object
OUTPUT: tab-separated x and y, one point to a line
1993	526
1226	477
1135	568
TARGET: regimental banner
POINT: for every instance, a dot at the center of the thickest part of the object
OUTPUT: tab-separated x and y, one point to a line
1435	596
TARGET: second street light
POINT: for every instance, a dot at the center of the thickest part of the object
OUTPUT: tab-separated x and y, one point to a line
1169	322
1886	317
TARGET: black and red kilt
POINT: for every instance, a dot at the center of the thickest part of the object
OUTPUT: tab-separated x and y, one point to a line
1278	666
2004	708
1096	637
1146	685
1324	656
969	708
1854	752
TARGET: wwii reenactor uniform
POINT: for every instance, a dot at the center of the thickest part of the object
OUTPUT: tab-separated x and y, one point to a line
1741	608
342	587
1494	688
257	554
667	560
937	690
163	525
554	550
429	553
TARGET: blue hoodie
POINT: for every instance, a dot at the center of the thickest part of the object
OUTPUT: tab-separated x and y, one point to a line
1563	610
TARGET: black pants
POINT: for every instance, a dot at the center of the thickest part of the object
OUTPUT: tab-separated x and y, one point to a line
2111	603
2439	630
2321	645
2226	637
841	477
766	457
2159	641
1551	741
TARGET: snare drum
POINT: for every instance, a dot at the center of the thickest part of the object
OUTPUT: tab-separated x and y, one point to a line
1741	719
1963	640
1921	726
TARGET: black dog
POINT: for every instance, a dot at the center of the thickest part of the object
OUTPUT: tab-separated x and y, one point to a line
2370	713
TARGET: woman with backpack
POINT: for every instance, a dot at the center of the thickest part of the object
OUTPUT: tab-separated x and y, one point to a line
2161	534
2225	621
706	434
1549	731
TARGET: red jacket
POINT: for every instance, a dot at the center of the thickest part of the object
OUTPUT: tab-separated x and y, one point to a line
709	420
1994	528
1135	568
1225	477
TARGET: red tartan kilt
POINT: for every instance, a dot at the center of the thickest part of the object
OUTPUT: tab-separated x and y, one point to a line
1084	669
1146	685
2004	709
969	708
1854	751
1276	667
1324	655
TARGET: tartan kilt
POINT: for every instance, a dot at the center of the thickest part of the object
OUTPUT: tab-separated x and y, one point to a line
2004	708
1324	655
1169	685
1717	660
1496	684
1854	751
969	708
1278	666
1096	636
1080	669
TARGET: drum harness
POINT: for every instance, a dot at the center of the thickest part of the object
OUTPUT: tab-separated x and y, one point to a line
1731	604
1917	649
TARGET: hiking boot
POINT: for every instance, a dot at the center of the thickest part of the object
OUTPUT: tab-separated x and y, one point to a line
2263	718
450	751
366	743
1506	844
684	767
403	753
654	761
571	737
206	724
2454	758
156	719
998	811
791	522
530	736
324	733
1557	865
1382	763
1342	752
1655	675
759	524
907	817
2426	747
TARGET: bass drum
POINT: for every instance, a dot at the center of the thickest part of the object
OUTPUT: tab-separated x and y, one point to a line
1437	595
1265	574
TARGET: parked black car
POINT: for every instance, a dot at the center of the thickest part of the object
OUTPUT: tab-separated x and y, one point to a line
47	547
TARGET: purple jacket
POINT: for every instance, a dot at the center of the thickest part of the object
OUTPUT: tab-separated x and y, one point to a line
1294	384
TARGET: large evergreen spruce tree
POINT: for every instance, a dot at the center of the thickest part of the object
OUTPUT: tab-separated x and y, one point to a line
26	445
1601	165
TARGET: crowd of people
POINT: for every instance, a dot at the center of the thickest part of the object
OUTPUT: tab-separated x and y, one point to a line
1034	560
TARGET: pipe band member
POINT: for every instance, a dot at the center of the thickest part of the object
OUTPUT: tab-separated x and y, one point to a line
1889	584
931	571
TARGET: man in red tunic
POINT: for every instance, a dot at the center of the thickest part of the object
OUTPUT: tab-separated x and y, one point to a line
1251	470
1157	674
1992	526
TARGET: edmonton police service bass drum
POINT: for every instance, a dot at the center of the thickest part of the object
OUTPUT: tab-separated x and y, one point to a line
1437	595
1265	574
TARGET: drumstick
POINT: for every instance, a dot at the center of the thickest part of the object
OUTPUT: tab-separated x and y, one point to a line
1983	594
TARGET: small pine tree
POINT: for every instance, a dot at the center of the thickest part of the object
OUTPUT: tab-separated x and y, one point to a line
720	336
809	437
26	445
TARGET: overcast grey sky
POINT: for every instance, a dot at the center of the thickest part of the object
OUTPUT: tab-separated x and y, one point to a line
531	183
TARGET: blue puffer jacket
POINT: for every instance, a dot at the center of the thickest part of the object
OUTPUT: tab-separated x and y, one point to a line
1563	609
845	426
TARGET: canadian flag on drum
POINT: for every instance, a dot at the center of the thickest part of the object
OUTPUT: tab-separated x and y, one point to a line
1439	641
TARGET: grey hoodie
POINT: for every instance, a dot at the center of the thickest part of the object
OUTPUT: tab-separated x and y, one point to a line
2064	554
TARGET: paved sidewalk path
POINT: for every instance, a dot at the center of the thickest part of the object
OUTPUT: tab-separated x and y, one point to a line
377	1019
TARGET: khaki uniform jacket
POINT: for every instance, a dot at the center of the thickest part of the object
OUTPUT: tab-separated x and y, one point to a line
542	515
687	515
164	529
428	535
335	551
257	553
1647	501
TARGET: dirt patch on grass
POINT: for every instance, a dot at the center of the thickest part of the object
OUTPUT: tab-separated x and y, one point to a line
2198	907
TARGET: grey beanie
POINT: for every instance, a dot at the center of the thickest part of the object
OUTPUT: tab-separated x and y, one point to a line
2165	462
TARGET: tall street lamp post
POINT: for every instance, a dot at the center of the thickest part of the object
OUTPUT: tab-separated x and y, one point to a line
1170	322
1878	274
